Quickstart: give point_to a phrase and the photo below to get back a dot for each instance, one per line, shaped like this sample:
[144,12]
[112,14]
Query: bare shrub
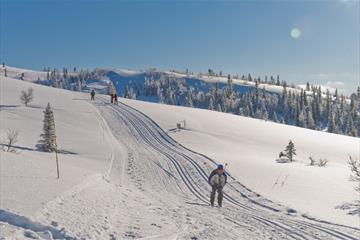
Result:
[354,166]
[27,97]
[322,162]
[312,161]
[11,139]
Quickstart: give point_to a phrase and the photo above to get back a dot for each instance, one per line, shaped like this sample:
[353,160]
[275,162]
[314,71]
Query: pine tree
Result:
[327,105]
[263,111]
[169,97]
[211,103]
[277,82]
[283,99]
[229,90]
[219,109]
[111,88]
[302,119]
[336,94]
[189,102]
[126,92]
[48,142]
[331,122]
[351,130]
[78,86]
[297,114]
[338,120]
[310,123]
[275,117]
[290,151]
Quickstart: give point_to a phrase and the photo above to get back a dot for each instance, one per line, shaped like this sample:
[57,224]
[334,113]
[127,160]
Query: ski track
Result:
[155,188]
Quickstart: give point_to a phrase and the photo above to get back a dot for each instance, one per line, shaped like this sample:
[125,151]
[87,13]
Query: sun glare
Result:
[295,33]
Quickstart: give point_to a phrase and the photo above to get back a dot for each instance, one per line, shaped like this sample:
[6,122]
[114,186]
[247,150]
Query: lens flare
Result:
[295,33]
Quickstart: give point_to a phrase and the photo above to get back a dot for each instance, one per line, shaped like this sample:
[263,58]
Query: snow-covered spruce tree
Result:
[350,128]
[48,141]
[290,150]
[218,108]
[126,93]
[78,86]
[211,103]
[111,88]
[189,101]
[310,123]
[229,88]
[169,97]
[27,97]
[331,122]
[302,119]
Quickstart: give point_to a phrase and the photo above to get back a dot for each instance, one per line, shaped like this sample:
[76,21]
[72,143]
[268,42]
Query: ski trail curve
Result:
[166,167]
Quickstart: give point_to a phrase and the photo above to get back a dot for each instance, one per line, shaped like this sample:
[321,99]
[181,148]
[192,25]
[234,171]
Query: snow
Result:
[224,79]
[123,177]
[28,177]
[251,146]
[29,75]
[127,72]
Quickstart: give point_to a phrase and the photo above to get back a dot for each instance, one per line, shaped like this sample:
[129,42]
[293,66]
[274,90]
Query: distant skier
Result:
[112,98]
[111,91]
[217,180]
[115,99]
[92,95]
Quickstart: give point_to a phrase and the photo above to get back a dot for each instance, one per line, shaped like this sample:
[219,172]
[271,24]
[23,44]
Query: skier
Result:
[217,180]
[115,99]
[112,98]
[111,91]
[92,95]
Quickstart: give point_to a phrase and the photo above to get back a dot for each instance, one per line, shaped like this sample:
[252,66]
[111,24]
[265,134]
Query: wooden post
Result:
[57,164]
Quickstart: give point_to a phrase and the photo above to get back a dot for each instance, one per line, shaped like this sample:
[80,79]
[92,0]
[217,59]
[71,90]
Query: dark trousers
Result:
[220,195]
[92,97]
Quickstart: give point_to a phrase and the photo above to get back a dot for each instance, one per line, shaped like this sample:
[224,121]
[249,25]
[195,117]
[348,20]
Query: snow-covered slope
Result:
[251,147]
[79,136]
[29,75]
[123,177]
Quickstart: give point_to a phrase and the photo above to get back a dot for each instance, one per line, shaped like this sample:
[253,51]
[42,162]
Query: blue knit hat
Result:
[220,166]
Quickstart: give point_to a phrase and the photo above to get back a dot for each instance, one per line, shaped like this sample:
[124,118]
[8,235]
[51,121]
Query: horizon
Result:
[316,42]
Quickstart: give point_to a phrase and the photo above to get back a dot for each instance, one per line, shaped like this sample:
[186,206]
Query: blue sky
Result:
[232,36]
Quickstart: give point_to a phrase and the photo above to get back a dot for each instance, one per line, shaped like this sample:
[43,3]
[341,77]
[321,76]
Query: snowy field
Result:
[122,176]
[251,148]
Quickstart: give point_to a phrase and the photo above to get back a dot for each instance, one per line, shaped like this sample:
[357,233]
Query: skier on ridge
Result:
[217,180]
[92,95]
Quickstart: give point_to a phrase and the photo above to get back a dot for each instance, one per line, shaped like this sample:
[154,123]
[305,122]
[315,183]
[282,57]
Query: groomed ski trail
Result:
[155,188]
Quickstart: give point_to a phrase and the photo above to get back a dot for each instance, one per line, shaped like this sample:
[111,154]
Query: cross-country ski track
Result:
[155,188]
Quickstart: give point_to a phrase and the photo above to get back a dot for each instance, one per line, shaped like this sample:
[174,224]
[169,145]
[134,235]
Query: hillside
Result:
[122,176]
[251,148]
[124,77]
